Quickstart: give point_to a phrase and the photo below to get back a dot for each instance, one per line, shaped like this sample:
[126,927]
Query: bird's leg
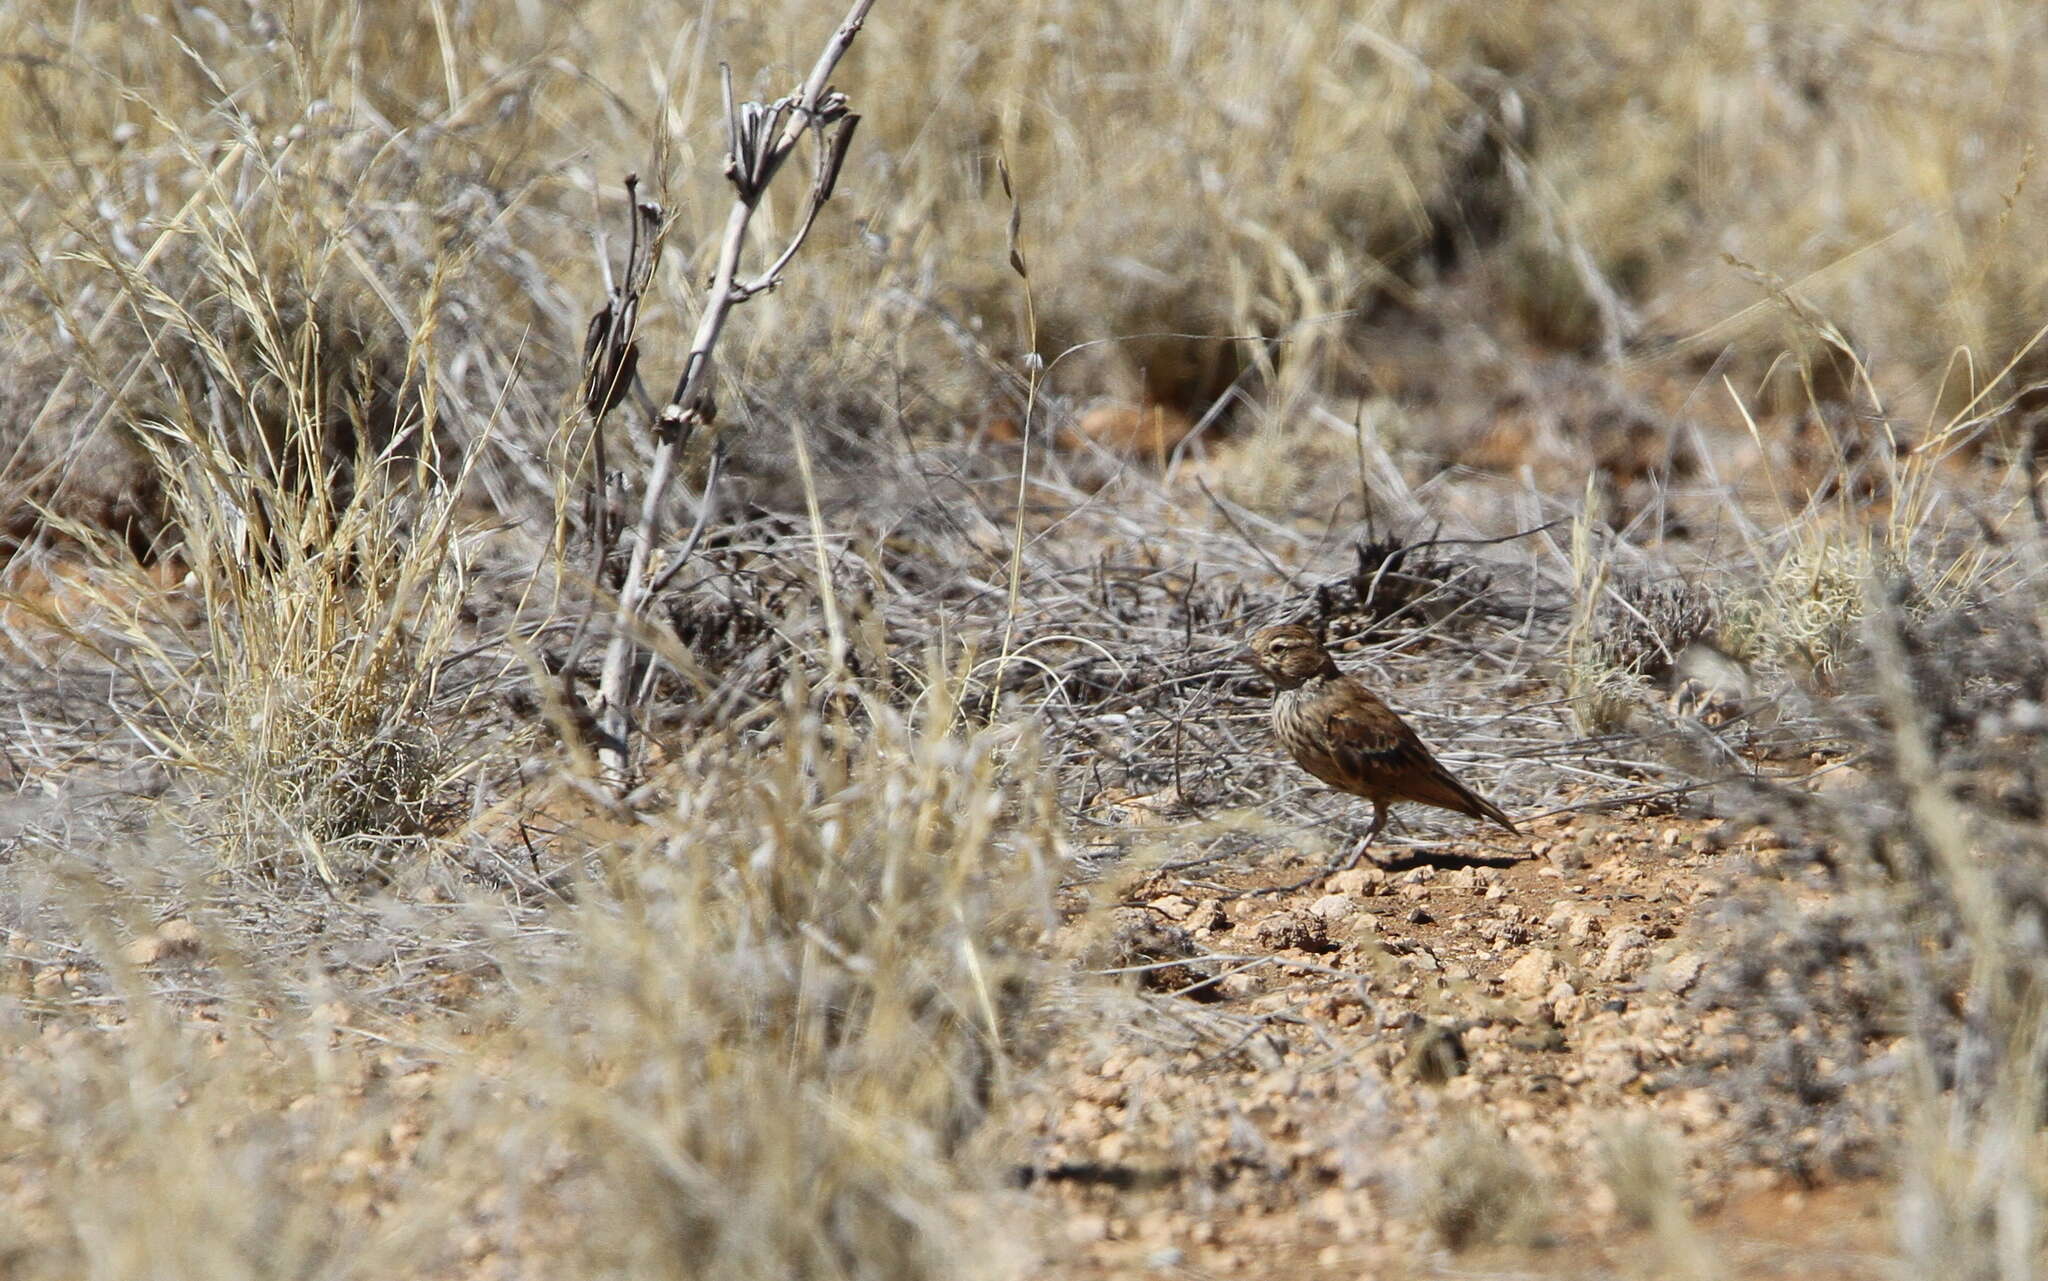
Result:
[1379,820]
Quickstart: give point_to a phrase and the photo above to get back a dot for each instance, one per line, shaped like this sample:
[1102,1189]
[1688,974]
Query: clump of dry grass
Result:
[1627,641]
[812,981]
[1803,607]
[284,361]
[1643,1168]
[1898,974]
[762,1042]
[1474,1188]
[317,547]
[1640,1167]
[1605,674]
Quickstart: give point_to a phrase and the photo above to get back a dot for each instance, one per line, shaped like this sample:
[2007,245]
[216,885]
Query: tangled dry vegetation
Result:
[1648,403]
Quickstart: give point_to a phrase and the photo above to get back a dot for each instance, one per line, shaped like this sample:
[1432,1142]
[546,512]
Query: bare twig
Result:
[760,138]
[611,357]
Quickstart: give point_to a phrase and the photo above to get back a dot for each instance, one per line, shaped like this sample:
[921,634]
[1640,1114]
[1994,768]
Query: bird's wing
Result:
[1370,742]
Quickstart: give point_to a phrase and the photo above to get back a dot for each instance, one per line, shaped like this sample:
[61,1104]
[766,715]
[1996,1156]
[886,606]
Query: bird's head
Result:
[1290,654]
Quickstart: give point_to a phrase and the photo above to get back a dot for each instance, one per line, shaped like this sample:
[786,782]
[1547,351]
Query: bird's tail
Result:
[1483,808]
[1454,795]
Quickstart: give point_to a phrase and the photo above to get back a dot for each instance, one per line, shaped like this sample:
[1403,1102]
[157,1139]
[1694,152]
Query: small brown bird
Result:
[1339,731]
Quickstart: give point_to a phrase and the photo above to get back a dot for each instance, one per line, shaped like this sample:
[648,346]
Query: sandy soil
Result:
[1339,1076]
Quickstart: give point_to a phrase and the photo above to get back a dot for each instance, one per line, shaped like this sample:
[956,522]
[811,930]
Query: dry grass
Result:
[1473,1188]
[299,578]
[760,1043]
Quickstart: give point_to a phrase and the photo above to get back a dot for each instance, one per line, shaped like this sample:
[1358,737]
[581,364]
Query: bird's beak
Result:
[1248,658]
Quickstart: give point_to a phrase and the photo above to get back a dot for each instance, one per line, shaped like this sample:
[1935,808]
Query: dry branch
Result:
[760,138]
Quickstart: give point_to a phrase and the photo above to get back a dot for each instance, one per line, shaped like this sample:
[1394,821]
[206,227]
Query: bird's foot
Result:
[1356,856]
